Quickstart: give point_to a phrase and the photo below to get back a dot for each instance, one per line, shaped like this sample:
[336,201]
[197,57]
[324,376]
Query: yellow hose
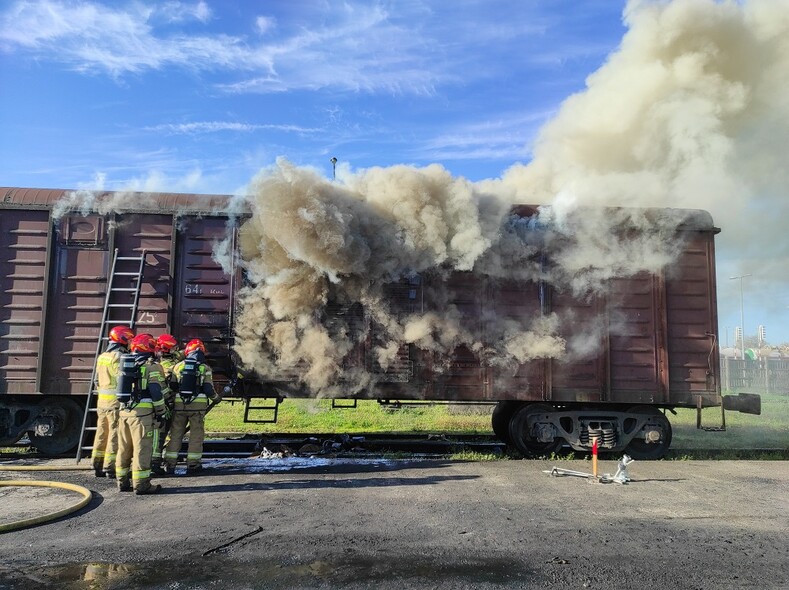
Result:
[45,467]
[20,524]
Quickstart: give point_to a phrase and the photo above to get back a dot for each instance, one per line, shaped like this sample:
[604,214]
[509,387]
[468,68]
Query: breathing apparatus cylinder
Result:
[190,384]
[128,380]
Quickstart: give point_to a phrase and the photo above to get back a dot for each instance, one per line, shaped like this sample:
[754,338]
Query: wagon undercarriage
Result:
[643,432]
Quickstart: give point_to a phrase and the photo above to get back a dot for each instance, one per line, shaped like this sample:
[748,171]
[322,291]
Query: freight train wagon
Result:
[69,274]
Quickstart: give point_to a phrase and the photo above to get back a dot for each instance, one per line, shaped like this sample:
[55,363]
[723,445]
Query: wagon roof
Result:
[18,197]
[185,203]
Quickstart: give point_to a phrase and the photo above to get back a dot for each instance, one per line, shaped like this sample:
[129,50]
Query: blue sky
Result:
[199,96]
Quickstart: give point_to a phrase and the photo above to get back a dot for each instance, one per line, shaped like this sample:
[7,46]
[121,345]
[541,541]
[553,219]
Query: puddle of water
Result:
[214,573]
[264,465]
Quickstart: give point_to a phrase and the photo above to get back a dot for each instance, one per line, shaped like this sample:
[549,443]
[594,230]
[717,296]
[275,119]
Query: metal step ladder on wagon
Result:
[120,309]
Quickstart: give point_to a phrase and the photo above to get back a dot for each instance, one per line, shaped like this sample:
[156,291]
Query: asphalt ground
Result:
[434,523]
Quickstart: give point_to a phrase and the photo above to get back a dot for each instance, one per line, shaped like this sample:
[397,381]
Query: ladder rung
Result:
[126,274]
[121,305]
[137,258]
[118,289]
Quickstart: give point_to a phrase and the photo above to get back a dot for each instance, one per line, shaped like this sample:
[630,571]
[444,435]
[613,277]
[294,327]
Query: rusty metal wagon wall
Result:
[55,271]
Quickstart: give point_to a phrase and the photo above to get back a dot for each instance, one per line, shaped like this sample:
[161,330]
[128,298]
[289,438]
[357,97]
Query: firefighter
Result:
[140,387]
[194,387]
[105,442]
[169,355]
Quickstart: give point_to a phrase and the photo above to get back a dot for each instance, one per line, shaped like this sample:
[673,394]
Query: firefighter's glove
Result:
[168,413]
[160,419]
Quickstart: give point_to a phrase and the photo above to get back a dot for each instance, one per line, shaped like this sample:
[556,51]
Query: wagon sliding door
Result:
[203,290]
[76,300]
[153,234]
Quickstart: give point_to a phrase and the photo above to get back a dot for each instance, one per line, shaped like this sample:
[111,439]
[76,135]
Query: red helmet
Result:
[143,343]
[122,335]
[194,345]
[166,343]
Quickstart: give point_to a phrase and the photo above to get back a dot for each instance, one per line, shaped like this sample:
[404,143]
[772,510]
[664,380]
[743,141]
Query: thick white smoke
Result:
[690,112]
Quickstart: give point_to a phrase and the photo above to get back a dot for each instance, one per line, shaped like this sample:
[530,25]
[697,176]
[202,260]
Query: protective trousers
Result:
[195,420]
[105,442]
[137,436]
[158,450]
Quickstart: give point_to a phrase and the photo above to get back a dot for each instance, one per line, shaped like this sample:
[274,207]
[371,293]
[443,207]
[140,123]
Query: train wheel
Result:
[68,420]
[641,449]
[522,437]
[501,417]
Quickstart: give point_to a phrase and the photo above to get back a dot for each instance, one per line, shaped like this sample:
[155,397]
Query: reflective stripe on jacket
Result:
[108,367]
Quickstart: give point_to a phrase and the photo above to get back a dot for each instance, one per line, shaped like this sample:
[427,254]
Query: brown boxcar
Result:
[55,271]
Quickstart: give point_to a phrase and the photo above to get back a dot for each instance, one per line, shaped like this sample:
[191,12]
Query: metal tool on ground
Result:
[621,476]
[558,471]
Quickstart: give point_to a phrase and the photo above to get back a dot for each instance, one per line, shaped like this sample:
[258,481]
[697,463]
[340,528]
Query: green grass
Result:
[743,431]
[317,416]
[770,430]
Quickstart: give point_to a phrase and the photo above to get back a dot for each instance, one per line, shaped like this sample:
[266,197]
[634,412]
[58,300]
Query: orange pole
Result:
[594,457]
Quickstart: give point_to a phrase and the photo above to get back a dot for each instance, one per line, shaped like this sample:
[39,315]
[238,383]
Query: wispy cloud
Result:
[361,46]
[217,126]
[176,12]
[508,137]
[91,37]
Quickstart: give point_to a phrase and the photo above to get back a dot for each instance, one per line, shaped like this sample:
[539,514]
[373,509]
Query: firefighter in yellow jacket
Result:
[140,387]
[193,382]
[168,355]
[105,442]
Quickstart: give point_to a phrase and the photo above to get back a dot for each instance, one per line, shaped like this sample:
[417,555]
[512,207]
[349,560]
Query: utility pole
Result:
[742,316]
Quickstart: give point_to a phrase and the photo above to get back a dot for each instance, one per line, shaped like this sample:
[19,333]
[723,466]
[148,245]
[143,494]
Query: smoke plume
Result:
[687,113]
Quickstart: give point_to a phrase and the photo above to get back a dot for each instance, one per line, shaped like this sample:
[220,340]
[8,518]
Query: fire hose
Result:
[45,467]
[27,522]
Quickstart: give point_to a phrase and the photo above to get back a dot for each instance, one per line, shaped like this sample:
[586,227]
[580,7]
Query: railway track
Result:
[234,445]
[305,444]
[225,445]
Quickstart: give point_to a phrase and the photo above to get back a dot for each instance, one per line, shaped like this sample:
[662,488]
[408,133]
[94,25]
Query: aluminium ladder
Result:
[134,276]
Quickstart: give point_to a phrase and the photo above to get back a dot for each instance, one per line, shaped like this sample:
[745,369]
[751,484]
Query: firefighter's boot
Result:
[146,488]
[124,484]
